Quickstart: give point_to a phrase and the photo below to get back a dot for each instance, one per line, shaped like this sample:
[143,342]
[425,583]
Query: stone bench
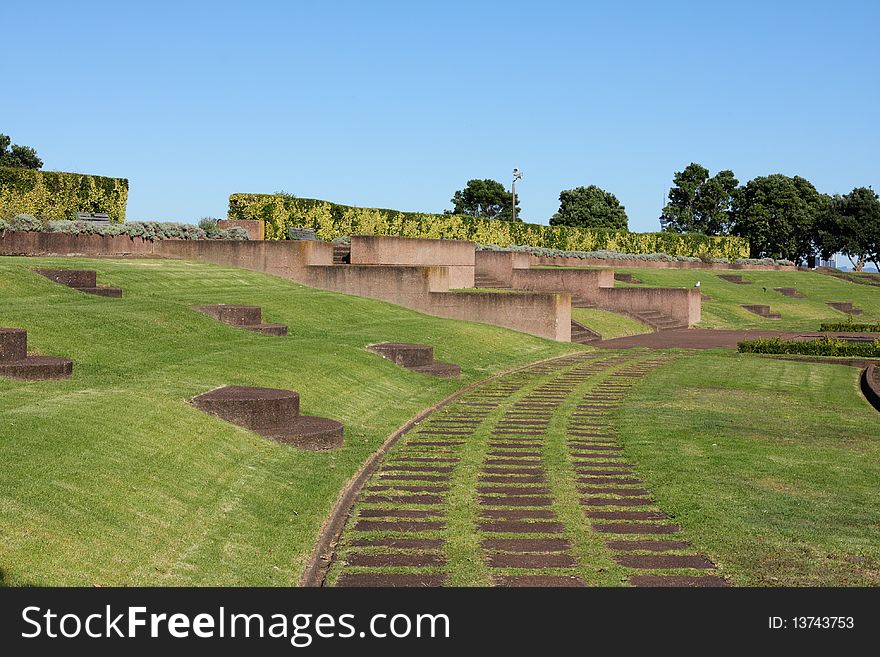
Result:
[16,363]
[273,413]
[84,280]
[249,318]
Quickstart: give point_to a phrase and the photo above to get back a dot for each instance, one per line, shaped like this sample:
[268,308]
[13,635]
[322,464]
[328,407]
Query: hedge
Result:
[840,327]
[825,346]
[332,220]
[57,195]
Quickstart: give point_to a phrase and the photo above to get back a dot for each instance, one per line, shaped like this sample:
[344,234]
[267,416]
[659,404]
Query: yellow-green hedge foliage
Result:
[330,220]
[56,195]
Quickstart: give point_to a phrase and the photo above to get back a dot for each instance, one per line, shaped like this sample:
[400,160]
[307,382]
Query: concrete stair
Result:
[249,318]
[341,254]
[486,281]
[416,357]
[657,320]
[272,413]
[845,307]
[761,310]
[582,303]
[582,335]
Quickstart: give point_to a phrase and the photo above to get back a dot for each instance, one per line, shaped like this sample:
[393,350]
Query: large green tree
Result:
[13,155]
[589,207]
[778,215]
[851,225]
[699,203]
[486,199]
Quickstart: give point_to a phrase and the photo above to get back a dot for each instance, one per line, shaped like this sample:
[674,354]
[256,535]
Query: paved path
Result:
[520,482]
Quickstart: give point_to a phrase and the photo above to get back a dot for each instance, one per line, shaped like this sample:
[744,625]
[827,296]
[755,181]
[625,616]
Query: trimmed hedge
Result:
[825,346]
[840,327]
[148,230]
[57,195]
[331,220]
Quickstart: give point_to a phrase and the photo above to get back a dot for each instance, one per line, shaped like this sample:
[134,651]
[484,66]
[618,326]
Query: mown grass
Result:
[723,310]
[609,324]
[112,478]
[770,466]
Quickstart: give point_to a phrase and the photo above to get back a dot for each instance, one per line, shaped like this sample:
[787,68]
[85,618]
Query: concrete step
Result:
[580,334]
[582,303]
[761,310]
[658,320]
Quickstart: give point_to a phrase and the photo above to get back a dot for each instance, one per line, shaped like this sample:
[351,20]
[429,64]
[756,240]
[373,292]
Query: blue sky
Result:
[398,104]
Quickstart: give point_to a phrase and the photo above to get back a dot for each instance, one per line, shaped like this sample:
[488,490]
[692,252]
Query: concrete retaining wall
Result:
[582,283]
[545,261]
[683,304]
[254,228]
[457,255]
[499,264]
[424,289]
[545,315]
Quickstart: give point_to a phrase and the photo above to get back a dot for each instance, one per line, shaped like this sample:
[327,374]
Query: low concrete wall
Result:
[457,255]
[546,261]
[579,283]
[544,315]
[683,304]
[499,264]
[254,228]
[308,262]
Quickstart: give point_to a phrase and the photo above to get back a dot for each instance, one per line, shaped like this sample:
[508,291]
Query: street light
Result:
[517,175]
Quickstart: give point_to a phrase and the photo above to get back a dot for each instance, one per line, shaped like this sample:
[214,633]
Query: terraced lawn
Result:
[723,308]
[112,478]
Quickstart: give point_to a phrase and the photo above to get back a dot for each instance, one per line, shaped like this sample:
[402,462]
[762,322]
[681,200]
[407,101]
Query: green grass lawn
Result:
[609,324]
[112,478]
[770,466]
[724,311]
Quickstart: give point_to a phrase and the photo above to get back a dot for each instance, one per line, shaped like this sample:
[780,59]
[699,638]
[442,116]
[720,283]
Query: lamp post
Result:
[517,175]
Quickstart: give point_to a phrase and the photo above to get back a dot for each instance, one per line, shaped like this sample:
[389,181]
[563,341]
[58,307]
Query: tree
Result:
[486,199]
[589,207]
[851,225]
[698,203]
[778,216]
[24,157]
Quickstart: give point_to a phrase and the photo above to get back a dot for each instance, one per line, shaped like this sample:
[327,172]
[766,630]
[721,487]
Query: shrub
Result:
[210,226]
[838,327]
[148,230]
[56,195]
[824,346]
[331,220]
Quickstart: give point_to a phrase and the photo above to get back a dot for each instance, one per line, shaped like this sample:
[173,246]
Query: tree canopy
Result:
[778,215]
[699,203]
[589,207]
[487,199]
[13,155]
[851,225]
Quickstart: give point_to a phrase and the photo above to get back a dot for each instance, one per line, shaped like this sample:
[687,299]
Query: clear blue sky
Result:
[398,104]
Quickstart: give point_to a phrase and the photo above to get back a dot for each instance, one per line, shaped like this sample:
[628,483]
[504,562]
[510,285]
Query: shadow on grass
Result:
[6,583]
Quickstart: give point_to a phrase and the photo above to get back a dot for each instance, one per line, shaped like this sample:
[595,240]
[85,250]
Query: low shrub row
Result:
[332,220]
[616,255]
[841,327]
[825,346]
[148,230]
